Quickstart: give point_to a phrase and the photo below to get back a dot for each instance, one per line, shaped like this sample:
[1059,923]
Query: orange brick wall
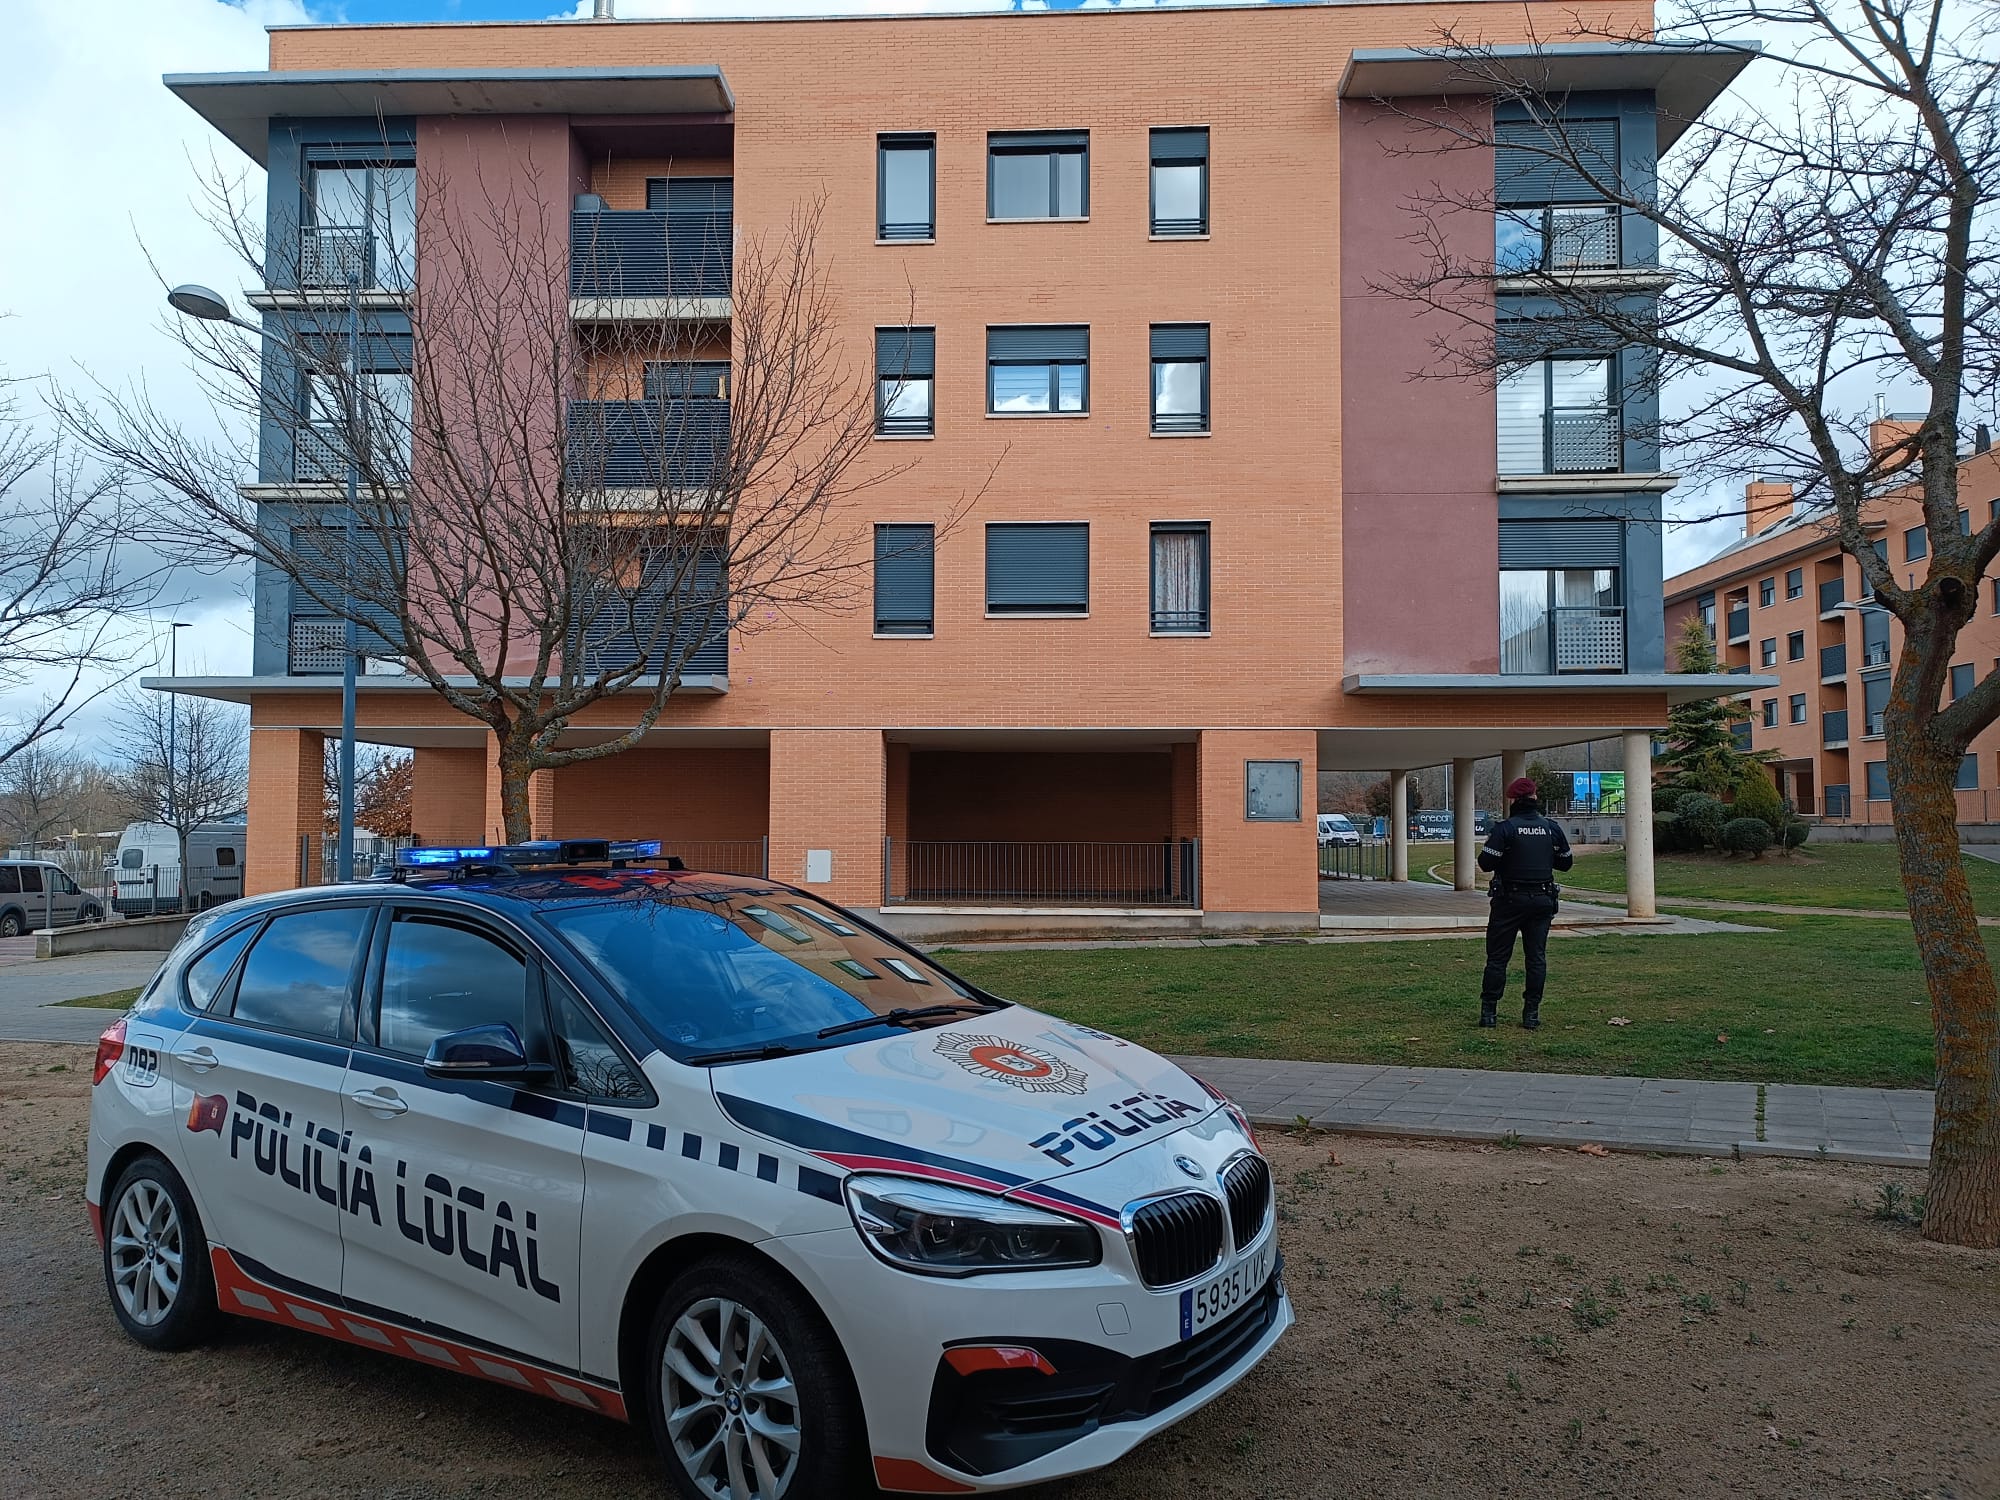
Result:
[1259,867]
[664,794]
[828,792]
[1109,796]
[448,795]
[287,803]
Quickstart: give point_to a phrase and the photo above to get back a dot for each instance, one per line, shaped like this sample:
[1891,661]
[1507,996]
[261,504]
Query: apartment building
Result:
[1786,602]
[1233,540]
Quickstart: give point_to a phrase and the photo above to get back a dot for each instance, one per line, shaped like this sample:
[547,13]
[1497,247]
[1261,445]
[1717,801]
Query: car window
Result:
[594,1064]
[63,883]
[716,969]
[442,975]
[224,856]
[31,879]
[299,975]
[10,880]
[206,975]
[132,859]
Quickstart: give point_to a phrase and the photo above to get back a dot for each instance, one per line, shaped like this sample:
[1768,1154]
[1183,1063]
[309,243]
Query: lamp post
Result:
[200,302]
[173,711]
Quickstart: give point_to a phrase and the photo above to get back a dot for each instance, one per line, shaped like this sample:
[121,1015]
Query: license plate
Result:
[1217,1298]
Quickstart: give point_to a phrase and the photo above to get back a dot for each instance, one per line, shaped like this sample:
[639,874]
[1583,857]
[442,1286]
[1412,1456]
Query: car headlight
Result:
[948,1231]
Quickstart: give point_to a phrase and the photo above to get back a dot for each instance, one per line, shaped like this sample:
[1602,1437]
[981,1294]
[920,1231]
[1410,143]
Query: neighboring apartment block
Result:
[1232,540]
[1786,601]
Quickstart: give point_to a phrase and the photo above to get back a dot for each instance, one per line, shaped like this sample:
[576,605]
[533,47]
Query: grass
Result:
[1858,876]
[1816,1000]
[109,1000]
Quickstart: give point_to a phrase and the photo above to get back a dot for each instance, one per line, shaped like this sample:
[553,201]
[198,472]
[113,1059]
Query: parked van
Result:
[1337,828]
[36,893]
[148,868]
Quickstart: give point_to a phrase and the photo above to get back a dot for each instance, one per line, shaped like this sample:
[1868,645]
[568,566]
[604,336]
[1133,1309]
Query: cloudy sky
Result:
[107,161]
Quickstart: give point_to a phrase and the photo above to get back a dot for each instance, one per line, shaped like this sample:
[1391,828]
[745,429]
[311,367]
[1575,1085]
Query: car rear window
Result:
[720,970]
[300,975]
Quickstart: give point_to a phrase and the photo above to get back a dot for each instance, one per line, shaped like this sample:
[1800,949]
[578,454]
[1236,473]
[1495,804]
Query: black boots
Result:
[1531,1016]
[1487,1016]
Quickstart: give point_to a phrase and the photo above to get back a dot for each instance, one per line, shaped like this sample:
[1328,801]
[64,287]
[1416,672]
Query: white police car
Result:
[695,1150]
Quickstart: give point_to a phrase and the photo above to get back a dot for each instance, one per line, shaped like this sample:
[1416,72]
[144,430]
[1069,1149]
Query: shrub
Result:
[1797,832]
[1668,799]
[1668,835]
[1701,818]
[1758,797]
[1751,836]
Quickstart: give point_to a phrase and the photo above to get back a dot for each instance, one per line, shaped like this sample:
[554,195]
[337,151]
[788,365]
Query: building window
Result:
[1961,680]
[1994,585]
[1874,704]
[685,380]
[1965,523]
[1916,542]
[1038,174]
[1705,607]
[1271,791]
[1795,646]
[1561,620]
[1770,713]
[1798,708]
[905,376]
[1768,651]
[1878,780]
[1556,416]
[1554,217]
[1180,182]
[905,584]
[1767,593]
[1037,568]
[382,397]
[1795,583]
[360,225]
[1180,377]
[1968,774]
[1180,577]
[1875,637]
[906,187]
[1035,370]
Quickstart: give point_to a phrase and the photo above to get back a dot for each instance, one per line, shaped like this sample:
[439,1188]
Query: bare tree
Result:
[1836,241]
[187,762]
[555,512]
[43,792]
[64,594]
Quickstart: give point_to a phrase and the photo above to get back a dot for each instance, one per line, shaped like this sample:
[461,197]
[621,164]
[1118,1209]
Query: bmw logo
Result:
[1188,1165]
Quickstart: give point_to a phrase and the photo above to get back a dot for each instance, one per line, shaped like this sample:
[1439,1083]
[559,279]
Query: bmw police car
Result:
[699,1151]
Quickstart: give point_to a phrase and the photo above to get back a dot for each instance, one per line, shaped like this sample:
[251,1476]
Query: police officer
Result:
[1523,853]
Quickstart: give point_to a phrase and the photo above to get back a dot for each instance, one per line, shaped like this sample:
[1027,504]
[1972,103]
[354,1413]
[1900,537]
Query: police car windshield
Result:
[724,970]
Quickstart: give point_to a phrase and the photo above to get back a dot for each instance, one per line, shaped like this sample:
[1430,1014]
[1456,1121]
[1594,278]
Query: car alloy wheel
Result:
[11,925]
[146,1252]
[732,1406]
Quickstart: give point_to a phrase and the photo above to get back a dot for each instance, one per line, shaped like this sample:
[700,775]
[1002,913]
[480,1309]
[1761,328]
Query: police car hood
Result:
[998,1100]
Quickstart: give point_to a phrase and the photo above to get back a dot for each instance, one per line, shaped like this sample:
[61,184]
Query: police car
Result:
[693,1150]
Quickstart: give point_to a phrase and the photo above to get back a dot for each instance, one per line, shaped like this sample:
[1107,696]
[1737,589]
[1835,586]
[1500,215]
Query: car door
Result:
[66,897]
[483,1179]
[262,1065]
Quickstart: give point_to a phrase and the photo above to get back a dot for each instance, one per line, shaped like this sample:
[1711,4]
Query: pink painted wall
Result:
[1420,518]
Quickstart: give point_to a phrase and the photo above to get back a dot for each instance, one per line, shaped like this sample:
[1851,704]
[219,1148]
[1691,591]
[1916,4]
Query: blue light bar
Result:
[420,859]
[537,852]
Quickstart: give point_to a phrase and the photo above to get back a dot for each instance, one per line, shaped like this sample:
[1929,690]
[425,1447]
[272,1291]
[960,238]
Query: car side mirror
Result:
[484,1052]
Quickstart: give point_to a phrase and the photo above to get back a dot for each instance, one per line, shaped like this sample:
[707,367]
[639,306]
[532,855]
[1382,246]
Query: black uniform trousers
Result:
[1527,912]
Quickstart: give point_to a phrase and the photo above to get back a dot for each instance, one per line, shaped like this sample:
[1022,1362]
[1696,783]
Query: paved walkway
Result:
[1418,905]
[1883,1127]
[28,990]
[1767,906]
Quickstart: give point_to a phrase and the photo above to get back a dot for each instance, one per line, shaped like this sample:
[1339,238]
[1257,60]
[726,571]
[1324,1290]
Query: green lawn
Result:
[1862,876]
[1820,1000]
[111,1000]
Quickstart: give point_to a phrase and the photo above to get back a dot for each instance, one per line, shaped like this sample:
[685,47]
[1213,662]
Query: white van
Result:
[1337,828]
[148,868]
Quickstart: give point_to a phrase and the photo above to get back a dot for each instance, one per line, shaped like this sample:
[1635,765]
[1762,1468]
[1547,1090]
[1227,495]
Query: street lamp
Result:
[173,713]
[200,302]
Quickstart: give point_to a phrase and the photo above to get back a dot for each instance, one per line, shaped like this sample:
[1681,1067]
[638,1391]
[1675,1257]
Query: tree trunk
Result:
[516,766]
[1962,1201]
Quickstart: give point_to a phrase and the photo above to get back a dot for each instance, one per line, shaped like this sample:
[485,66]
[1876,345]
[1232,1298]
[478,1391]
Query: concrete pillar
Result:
[1262,873]
[1513,766]
[287,804]
[1639,890]
[1464,842]
[1399,825]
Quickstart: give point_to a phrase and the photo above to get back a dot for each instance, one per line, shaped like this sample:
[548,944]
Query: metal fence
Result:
[159,890]
[1367,860]
[1166,872]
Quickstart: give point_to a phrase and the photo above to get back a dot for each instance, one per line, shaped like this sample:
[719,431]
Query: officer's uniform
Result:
[1523,852]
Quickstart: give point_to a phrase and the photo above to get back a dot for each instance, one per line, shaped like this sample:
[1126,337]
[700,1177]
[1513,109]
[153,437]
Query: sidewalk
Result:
[1767,906]
[1878,1127]
[27,991]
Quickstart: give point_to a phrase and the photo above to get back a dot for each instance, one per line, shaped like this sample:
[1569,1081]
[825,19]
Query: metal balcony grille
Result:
[994,872]
[1180,621]
[1739,624]
[1247,1184]
[332,255]
[1832,594]
[1833,728]
[1590,639]
[1837,801]
[1833,661]
[1872,726]
[1583,239]
[1175,1239]
[319,455]
[646,252]
[1875,654]
[318,647]
[1583,439]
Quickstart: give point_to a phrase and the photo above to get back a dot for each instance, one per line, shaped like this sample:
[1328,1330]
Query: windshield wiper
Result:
[746,1054]
[902,1017]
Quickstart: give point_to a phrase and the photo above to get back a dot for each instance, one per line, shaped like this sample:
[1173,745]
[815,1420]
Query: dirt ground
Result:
[1472,1322]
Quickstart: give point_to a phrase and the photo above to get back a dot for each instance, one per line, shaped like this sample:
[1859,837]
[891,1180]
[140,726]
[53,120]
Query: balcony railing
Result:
[1872,725]
[1740,733]
[319,456]
[1832,594]
[333,255]
[1874,654]
[1739,623]
[672,444]
[991,872]
[1180,621]
[1590,639]
[1832,662]
[318,647]
[1836,801]
[1584,440]
[1570,238]
[648,252]
[1833,728]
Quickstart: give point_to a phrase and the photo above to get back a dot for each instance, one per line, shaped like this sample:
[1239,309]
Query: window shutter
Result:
[376,153]
[1052,342]
[1037,140]
[1522,174]
[1179,147]
[377,563]
[1180,341]
[905,572]
[1562,544]
[689,625]
[691,196]
[1038,567]
[905,353]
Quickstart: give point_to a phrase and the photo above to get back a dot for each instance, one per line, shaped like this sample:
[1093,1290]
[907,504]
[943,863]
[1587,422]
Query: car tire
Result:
[149,1220]
[699,1429]
[12,924]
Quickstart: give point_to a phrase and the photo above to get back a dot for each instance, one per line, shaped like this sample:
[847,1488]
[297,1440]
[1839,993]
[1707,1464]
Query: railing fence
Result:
[1166,872]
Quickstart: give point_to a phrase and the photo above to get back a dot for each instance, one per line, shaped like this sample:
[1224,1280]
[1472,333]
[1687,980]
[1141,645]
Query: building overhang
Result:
[1683,79]
[1585,484]
[1679,687]
[246,689]
[242,105]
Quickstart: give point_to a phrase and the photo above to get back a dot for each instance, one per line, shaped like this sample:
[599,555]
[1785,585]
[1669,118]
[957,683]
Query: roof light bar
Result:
[539,852]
